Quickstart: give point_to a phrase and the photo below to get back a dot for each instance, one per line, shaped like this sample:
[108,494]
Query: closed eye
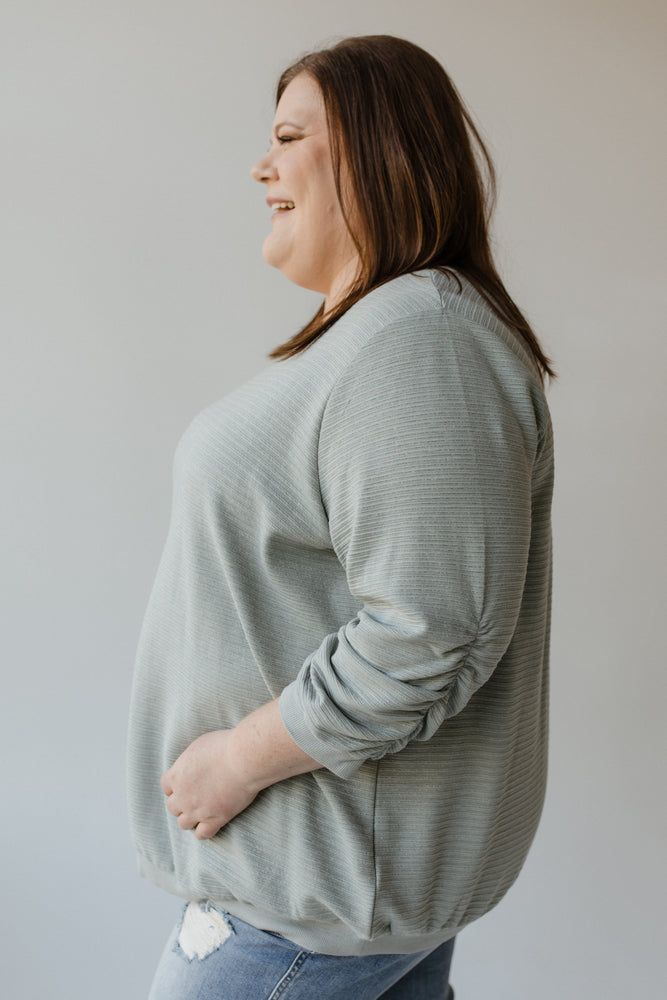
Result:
[281,140]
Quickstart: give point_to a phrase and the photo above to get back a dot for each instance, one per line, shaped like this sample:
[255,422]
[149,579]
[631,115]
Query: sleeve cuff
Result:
[295,715]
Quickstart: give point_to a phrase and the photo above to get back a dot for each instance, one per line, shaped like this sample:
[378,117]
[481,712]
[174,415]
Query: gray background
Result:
[134,294]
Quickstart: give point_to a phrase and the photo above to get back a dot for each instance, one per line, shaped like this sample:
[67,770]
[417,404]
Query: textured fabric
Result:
[364,531]
[235,961]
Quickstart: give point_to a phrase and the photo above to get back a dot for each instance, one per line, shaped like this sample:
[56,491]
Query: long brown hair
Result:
[419,179]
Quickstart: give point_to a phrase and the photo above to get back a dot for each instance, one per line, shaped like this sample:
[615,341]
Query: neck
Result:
[341,284]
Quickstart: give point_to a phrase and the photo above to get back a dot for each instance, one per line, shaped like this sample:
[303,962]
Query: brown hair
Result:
[421,180]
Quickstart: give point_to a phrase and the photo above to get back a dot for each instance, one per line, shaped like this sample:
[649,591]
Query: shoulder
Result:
[417,314]
[428,343]
[401,303]
[427,318]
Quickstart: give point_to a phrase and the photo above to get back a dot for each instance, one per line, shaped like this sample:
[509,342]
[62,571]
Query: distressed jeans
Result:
[212,955]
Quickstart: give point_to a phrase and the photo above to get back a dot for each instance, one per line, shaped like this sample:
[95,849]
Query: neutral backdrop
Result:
[134,293]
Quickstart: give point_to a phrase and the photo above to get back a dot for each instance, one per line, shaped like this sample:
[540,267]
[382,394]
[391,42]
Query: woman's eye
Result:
[285,138]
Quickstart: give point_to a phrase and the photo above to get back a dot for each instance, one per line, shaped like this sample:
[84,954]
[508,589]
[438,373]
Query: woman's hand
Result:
[222,772]
[204,788]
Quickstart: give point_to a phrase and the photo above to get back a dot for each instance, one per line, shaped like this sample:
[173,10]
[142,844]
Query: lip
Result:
[277,213]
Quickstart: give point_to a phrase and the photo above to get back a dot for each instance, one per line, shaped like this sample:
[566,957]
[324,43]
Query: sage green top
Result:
[364,531]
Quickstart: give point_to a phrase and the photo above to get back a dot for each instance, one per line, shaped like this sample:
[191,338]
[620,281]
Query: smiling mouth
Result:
[282,206]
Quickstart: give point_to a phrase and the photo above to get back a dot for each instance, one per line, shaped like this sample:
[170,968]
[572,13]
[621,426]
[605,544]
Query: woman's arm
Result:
[221,772]
[428,470]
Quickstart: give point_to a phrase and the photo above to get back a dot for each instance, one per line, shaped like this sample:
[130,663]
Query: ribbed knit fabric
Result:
[364,531]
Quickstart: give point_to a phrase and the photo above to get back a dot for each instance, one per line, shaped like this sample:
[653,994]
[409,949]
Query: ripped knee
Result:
[203,930]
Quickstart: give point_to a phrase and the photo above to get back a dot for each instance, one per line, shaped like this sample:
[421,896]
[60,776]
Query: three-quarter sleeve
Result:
[426,454]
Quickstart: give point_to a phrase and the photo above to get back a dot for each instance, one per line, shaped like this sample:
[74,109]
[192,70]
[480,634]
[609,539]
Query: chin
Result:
[270,253]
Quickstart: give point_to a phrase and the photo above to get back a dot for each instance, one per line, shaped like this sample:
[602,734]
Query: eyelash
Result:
[285,138]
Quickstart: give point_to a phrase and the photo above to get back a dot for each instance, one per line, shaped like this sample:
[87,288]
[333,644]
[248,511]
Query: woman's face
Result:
[309,241]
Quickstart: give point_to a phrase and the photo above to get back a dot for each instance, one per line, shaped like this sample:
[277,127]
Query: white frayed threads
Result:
[202,931]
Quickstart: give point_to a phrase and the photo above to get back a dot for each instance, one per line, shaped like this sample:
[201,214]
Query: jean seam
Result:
[289,976]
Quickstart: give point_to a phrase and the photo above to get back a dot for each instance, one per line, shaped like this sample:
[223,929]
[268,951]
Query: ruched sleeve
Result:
[427,448]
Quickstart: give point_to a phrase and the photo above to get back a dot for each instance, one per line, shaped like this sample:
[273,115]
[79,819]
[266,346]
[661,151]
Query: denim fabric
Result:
[212,955]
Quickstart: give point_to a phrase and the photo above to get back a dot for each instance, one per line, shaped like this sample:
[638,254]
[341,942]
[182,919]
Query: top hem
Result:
[325,939]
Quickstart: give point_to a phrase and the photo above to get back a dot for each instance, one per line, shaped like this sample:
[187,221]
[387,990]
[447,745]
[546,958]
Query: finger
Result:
[172,805]
[165,783]
[185,822]
[208,828]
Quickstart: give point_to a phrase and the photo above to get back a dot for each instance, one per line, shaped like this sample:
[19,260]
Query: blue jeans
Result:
[212,955]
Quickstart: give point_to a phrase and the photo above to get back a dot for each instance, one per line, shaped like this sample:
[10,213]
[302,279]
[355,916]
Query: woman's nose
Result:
[264,169]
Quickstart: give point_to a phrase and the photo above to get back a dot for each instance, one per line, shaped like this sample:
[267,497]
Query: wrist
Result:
[242,762]
[263,751]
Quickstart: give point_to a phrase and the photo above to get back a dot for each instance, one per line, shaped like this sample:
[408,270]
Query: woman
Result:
[342,675]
